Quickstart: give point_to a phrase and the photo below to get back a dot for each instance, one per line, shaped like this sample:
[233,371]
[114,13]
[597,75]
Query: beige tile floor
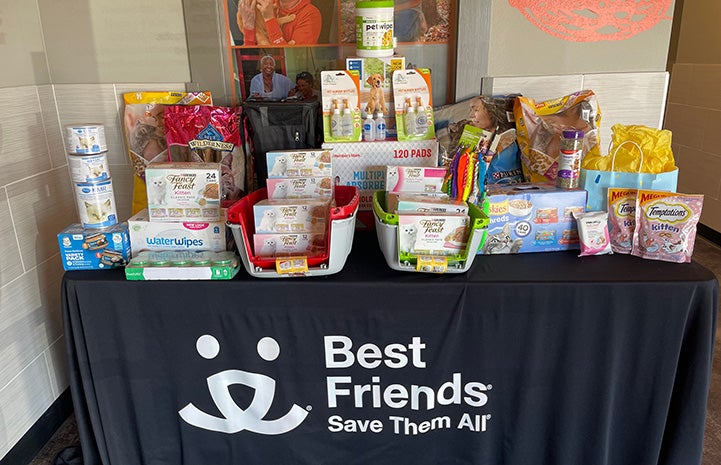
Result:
[705,252]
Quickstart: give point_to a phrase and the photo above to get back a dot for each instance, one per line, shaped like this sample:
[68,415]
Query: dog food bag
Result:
[593,233]
[666,225]
[621,218]
[145,131]
[208,134]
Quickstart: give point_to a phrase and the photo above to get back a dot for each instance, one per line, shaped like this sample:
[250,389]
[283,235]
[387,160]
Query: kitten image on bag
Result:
[407,238]
[279,167]
[281,191]
[156,191]
[501,242]
[267,223]
[98,212]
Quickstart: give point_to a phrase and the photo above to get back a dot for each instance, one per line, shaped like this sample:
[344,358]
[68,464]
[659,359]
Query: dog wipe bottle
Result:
[380,124]
[374,28]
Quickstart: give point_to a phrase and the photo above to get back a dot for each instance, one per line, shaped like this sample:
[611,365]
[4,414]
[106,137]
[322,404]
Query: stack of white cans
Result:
[90,173]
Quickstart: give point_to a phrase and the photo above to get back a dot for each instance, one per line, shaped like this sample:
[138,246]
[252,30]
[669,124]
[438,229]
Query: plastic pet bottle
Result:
[421,118]
[369,129]
[335,121]
[380,123]
[409,119]
[347,122]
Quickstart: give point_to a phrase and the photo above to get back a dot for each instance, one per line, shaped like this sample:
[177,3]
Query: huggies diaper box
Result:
[82,249]
[531,217]
[155,236]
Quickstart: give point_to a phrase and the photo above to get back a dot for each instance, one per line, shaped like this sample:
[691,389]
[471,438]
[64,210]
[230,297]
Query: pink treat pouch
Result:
[593,233]
[666,225]
[621,218]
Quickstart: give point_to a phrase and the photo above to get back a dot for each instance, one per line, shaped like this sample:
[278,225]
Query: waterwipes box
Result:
[84,249]
[363,165]
[531,217]
[153,235]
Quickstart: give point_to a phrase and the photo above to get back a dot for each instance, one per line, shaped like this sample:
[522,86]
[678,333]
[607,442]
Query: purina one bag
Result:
[649,148]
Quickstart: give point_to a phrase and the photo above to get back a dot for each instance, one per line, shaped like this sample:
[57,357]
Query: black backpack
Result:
[72,455]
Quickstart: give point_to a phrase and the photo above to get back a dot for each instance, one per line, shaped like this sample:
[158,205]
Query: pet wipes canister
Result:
[85,138]
[96,204]
[374,28]
[88,168]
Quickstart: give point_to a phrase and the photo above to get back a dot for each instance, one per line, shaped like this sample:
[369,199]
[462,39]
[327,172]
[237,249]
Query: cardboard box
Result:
[363,164]
[298,163]
[183,191]
[155,236]
[531,217]
[368,67]
[93,249]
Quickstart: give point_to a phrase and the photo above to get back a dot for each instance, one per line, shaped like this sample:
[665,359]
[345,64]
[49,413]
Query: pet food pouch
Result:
[539,126]
[666,225]
[593,233]
[621,218]
[145,132]
[208,134]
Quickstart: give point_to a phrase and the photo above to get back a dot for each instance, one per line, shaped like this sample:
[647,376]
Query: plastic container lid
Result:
[375,4]
[572,134]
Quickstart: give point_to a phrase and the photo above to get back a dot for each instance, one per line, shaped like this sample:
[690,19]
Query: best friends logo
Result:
[343,393]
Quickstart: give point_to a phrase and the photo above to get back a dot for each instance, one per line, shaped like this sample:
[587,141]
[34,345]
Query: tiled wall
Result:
[36,202]
[694,116]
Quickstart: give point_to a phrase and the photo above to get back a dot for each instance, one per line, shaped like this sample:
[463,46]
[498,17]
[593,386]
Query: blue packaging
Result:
[86,249]
[531,217]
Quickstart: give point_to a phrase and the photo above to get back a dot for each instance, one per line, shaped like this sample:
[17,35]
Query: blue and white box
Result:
[84,249]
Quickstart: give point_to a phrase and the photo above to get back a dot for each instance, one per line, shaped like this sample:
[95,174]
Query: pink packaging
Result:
[413,179]
[666,225]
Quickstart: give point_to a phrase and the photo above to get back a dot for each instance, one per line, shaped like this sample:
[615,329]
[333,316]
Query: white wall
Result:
[63,62]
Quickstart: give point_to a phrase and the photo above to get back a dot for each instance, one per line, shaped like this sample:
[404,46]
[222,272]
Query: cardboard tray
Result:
[339,237]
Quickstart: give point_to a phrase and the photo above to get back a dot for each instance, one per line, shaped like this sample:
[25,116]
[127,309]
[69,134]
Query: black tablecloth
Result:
[525,359]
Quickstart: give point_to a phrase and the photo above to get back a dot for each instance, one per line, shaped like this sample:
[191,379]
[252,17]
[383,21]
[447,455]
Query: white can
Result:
[96,204]
[374,28]
[89,168]
[85,138]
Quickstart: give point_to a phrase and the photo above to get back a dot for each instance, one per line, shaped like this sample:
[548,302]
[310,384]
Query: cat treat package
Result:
[539,126]
[209,134]
[145,131]
[621,218]
[666,225]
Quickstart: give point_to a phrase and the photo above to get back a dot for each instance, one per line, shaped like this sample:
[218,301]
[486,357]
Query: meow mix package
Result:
[209,134]
[145,131]
[666,225]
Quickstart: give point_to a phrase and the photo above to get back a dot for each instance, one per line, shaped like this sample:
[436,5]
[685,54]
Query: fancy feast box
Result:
[531,217]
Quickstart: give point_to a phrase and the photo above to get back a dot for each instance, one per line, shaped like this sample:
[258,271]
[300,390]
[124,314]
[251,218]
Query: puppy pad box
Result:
[363,165]
[82,249]
[183,191]
[531,217]
[182,235]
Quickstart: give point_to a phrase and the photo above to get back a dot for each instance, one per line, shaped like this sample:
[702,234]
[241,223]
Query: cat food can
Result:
[85,138]
[89,168]
[96,204]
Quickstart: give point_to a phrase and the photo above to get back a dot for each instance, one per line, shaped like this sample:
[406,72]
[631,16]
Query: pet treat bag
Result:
[666,225]
[539,126]
[621,218]
[145,131]
[208,134]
